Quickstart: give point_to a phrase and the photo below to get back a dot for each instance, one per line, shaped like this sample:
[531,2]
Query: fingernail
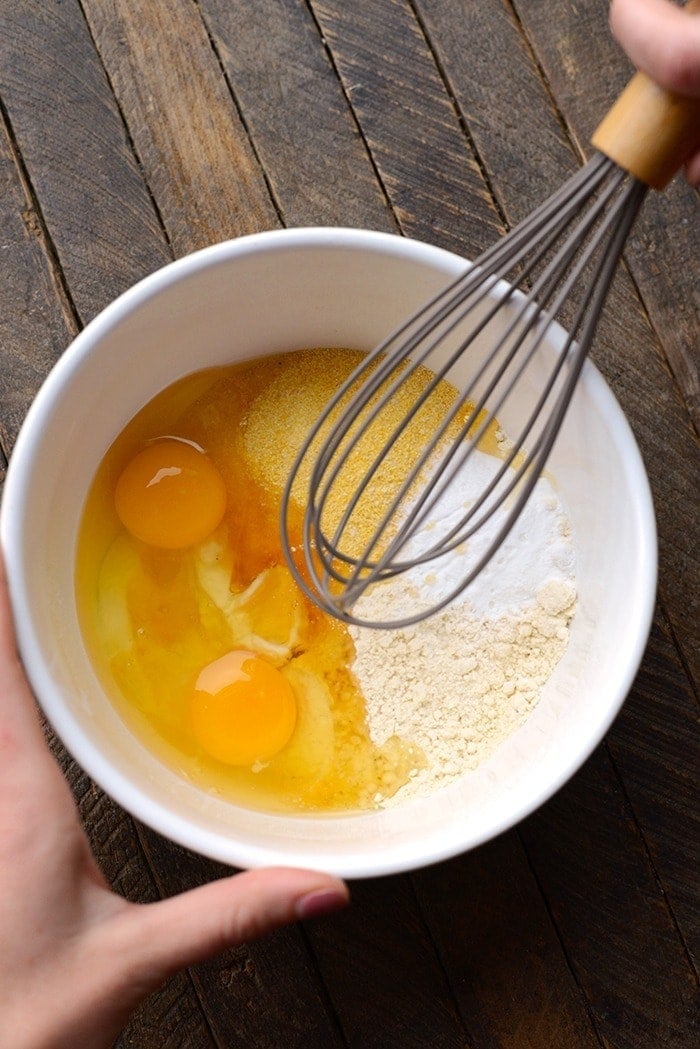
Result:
[320,901]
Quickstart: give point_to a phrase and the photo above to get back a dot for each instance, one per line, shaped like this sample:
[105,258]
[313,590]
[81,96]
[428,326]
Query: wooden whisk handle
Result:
[649,131]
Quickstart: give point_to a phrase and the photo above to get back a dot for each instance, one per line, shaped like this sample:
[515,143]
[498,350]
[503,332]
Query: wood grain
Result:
[655,744]
[421,153]
[34,326]
[586,68]
[95,204]
[501,952]
[626,953]
[518,134]
[37,321]
[182,120]
[303,129]
[382,973]
[134,130]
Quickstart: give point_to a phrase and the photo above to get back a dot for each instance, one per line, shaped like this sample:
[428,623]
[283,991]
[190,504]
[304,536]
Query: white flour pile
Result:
[456,684]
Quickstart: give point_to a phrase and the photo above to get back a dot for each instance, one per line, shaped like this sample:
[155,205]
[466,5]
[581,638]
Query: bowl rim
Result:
[166,821]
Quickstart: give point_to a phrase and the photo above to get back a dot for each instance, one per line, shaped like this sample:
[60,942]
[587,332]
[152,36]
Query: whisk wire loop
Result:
[435,487]
[483,284]
[565,254]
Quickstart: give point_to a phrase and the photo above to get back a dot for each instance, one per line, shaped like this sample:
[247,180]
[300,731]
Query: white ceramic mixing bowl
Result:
[262,294]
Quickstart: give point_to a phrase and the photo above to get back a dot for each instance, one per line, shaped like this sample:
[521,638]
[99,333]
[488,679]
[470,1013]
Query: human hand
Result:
[663,40]
[75,958]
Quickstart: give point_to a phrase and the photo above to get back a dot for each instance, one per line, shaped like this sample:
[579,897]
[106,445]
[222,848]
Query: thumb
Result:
[155,940]
[661,38]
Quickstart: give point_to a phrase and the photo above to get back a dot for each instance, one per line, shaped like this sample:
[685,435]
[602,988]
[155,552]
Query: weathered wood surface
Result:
[133,131]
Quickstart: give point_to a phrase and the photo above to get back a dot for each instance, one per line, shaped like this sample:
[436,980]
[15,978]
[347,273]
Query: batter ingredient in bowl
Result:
[170,495]
[469,675]
[225,670]
[472,673]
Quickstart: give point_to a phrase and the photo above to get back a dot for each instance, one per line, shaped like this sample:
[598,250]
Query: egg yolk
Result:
[243,710]
[170,495]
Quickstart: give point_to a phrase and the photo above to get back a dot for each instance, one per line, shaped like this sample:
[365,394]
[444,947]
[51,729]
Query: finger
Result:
[155,940]
[692,170]
[662,39]
[19,721]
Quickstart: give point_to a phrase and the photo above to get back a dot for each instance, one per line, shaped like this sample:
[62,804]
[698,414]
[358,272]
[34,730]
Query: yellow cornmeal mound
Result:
[282,415]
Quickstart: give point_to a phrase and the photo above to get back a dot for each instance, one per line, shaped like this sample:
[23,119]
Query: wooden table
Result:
[134,131]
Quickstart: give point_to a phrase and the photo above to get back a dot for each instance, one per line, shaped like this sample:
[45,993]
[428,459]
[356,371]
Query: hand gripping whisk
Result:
[369,523]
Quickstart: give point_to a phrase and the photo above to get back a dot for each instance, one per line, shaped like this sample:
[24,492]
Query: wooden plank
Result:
[387,912]
[187,133]
[468,43]
[264,994]
[296,113]
[501,953]
[627,353]
[36,322]
[521,143]
[586,69]
[419,148]
[34,328]
[94,202]
[382,973]
[655,744]
[626,954]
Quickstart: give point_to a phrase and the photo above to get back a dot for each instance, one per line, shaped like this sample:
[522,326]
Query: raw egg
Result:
[212,655]
[243,710]
[170,495]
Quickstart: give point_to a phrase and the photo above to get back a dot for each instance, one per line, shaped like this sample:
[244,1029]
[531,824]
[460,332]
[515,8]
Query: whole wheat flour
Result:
[459,682]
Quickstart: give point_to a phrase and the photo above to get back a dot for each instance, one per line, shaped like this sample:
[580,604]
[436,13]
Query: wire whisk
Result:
[383,477]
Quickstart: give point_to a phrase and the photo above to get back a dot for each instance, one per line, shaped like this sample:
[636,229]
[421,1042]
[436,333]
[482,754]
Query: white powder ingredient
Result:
[459,682]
